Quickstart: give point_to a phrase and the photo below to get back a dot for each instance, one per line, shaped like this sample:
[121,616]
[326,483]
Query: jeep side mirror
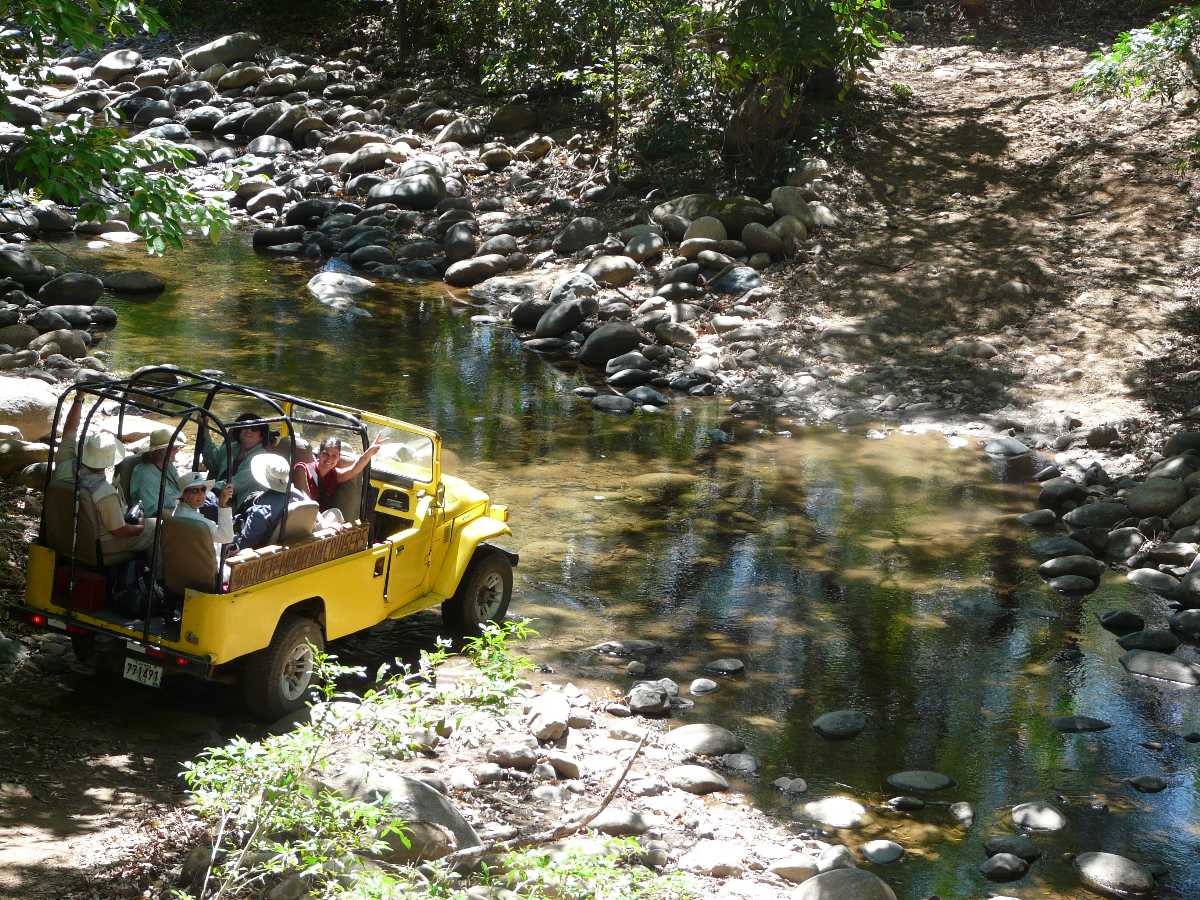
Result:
[439,498]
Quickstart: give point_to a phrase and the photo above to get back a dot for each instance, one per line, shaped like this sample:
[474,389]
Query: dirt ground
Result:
[985,201]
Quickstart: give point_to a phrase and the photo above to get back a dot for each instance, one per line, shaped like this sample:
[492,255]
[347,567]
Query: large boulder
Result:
[477,269]
[27,404]
[23,267]
[77,288]
[428,813]
[224,50]
[1113,875]
[579,233]
[419,192]
[113,66]
[71,342]
[133,281]
[15,455]
[704,739]
[264,117]
[612,270]
[461,131]
[844,884]
[1156,497]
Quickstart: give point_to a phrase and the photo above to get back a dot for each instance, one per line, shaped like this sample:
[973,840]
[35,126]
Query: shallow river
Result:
[844,571]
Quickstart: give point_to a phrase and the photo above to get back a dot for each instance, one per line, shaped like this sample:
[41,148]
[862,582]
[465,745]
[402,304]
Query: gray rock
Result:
[1156,497]
[609,341]
[1148,784]
[225,50]
[512,756]
[1109,873]
[620,823]
[23,267]
[1072,584]
[613,403]
[1004,867]
[1051,547]
[474,270]
[725,666]
[1157,639]
[1073,724]
[548,716]
[648,699]
[920,780]
[1123,543]
[796,868]
[696,780]
[1038,817]
[1005,447]
[419,192]
[1087,566]
[1186,624]
[113,65]
[1057,491]
[836,812]
[1018,845]
[882,852]
[1187,514]
[962,813]
[614,271]
[1038,518]
[579,233]
[1104,514]
[560,319]
[133,281]
[702,686]
[906,804]
[460,131]
[744,763]
[1160,665]
[1121,621]
[705,740]
[737,280]
[1102,436]
[840,725]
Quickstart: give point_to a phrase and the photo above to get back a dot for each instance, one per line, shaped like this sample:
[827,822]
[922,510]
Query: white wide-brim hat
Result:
[194,480]
[271,471]
[101,450]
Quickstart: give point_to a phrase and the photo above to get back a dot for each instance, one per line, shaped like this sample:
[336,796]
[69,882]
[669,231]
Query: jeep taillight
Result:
[35,619]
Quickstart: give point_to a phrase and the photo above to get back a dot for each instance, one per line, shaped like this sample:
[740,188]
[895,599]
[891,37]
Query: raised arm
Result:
[350,472]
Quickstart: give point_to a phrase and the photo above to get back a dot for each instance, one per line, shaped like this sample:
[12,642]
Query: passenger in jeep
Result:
[321,477]
[194,490]
[155,470]
[251,442]
[100,451]
[270,471]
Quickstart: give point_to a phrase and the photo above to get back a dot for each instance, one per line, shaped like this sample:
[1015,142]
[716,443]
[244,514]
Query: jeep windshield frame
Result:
[164,391]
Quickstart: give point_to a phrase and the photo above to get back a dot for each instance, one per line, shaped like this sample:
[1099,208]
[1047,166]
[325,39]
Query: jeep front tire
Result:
[483,594]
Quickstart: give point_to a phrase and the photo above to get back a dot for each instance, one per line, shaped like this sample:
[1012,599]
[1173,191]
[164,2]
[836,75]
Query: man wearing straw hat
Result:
[155,469]
[194,489]
[97,453]
[272,473]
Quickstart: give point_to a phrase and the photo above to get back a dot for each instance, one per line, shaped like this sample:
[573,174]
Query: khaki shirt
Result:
[110,511]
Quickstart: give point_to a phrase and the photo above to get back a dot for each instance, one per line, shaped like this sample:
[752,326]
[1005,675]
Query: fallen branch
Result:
[565,829]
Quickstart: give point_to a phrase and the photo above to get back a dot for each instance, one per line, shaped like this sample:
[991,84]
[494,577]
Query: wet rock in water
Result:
[628,648]
[963,813]
[906,804]
[1157,639]
[609,341]
[920,780]
[696,779]
[1076,724]
[705,739]
[1072,584]
[613,403]
[77,288]
[836,812]
[1004,867]
[474,270]
[702,686]
[1121,621]
[560,318]
[1186,624]
[1058,491]
[1038,518]
[1087,566]
[1018,845]
[882,852]
[1005,447]
[1051,547]
[743,763]
[1122,543]
[1156,497]
[1104,514]
[844,884]
[1038,817]
[1155,581]
[133,281]
[1148,784]
[648,699]
[1152,664]
[791,785]
[725,666]
[840,725]
[1109,873]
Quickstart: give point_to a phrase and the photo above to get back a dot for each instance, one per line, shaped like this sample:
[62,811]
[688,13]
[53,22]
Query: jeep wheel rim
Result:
[297,672]
[490,597]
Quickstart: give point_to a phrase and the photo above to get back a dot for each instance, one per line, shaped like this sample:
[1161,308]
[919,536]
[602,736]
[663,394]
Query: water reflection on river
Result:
[845,572]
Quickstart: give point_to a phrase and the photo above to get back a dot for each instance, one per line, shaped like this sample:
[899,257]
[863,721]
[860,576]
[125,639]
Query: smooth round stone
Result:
[1038,518]
[906,804]
[1072,584]
[1038,817]
[836,812]
[744,763]
[1018,845]
[1073,724]
[1161,665]
[1078,564]
[882,852]
[725,666]
[1121,621]
[707,740]
[702,686]
[920,780]
[1148,784]
[1004,867]
[840,725]
[844,884]
[790,785]
[1048,548]
[1005,447]
[1112,874]
[696,779]
[1157,639]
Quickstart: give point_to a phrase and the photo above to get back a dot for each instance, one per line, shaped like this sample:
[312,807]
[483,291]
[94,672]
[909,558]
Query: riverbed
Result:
[844,570]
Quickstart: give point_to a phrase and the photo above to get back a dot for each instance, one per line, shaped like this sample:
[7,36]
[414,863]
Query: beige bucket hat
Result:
[101,450]
[271,471]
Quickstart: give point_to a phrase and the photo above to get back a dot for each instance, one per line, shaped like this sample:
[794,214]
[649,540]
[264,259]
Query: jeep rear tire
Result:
[275,681]
[483,594]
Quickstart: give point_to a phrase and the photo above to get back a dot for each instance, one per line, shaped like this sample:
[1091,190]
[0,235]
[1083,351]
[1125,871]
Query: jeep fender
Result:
[463,545]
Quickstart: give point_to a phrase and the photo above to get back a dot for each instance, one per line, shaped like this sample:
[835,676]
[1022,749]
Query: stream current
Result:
[886,576]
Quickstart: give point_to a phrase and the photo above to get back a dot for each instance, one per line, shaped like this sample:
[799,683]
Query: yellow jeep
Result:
[405,537]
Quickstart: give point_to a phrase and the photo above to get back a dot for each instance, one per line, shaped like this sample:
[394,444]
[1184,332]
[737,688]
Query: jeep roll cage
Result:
[187,397]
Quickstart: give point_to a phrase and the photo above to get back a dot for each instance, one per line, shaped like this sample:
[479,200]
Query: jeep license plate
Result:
[143,673]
